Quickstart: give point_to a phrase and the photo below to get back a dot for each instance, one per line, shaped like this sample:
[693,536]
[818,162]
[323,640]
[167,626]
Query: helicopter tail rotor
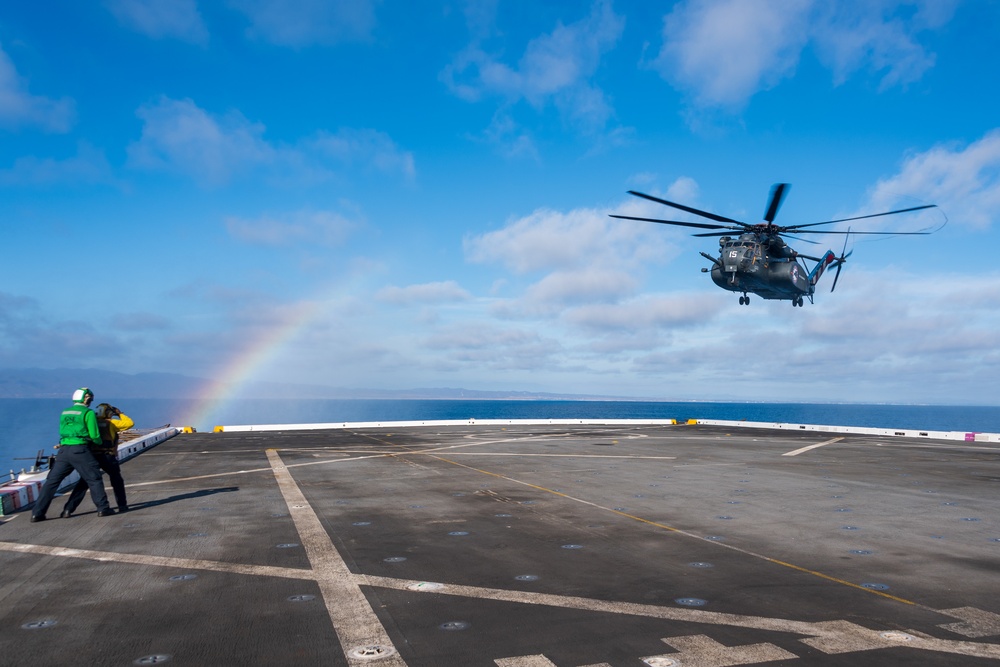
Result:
[839,262]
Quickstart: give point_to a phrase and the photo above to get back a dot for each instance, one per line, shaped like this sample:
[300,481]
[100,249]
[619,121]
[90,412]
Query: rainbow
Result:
[220,391]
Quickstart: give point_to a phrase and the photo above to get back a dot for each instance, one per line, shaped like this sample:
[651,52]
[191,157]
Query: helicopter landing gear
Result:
[744,300]
[797,302]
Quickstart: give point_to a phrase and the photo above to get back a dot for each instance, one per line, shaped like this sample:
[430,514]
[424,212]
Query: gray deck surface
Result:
[525,546]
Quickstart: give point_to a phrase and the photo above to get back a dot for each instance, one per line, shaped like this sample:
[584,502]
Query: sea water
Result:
[31,425]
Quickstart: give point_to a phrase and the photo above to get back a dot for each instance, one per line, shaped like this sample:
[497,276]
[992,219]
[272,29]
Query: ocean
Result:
[32,424]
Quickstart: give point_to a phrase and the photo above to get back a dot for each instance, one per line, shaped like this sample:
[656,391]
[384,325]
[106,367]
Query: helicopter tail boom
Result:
[827,260]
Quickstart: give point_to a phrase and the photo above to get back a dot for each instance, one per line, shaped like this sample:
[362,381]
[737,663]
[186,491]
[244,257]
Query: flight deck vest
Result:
[109,440]
[73,427]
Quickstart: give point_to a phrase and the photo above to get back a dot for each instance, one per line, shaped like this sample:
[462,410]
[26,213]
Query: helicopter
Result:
[757,260]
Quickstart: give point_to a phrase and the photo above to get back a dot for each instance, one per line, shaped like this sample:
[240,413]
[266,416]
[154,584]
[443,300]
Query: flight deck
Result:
[527,545]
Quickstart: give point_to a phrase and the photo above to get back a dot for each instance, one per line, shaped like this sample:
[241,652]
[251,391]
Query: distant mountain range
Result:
[60,383]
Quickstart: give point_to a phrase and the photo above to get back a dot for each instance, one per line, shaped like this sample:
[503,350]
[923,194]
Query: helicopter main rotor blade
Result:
[719,233]
[699,225]
[820,231]
[796,238]
[862,217]
[777,195]
[688,209]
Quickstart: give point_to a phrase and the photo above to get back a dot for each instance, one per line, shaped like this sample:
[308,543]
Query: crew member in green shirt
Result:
[77,430]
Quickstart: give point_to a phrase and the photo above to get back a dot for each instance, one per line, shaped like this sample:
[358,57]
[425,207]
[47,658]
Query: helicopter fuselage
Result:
[765,266]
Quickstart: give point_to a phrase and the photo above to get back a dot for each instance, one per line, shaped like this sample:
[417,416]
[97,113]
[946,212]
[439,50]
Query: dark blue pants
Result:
[68,459]
[109,464]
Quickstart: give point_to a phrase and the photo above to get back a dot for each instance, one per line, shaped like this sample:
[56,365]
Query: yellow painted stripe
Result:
[655,524]
[682,532]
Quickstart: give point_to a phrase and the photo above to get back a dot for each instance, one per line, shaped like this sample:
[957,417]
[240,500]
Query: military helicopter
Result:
[758,261]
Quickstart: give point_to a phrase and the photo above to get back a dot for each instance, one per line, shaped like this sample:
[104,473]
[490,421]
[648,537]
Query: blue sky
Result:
[397,195]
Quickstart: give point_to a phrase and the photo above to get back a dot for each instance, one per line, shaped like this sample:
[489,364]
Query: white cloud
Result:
[141,321]
[178,19]
[910,337]
[177,135]
[647,312]
[723,52]
[306,22]
[325,228]
[963,181]
[548,240]
[868,35]
[447,291]
[88,167]
[181,137]
[19,108]
[588,291]
[583,286]
[512,140]
[363,147]
[909,331]
[555,68]
[496,348]
[29,337]
[480,16]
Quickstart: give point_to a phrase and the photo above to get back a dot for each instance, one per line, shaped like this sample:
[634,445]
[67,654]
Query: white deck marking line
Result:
[561,456]
[525,661]
[827,636]
[957,448]
[196,477]
[255,470]
[819,444]
[160,561]
[353,618]
[830,636]
[402,450]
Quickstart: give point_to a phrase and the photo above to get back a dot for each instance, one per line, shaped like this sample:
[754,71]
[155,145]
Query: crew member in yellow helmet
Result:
[110,420]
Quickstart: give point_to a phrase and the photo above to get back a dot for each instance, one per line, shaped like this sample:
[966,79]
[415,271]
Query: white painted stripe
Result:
[703,650]
[449,422]
[525,661]
[605,606]
[859,430]
[818,444]
[159,561]
[354,620]
[975,622]
[558,456]
[827,636]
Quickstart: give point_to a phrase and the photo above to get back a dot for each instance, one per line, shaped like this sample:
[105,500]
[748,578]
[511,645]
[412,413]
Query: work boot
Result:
[107,512]
[65,514]
[36,519]
[122,509]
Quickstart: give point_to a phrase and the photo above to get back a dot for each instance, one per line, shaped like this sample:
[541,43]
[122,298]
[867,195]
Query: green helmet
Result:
[81,394]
